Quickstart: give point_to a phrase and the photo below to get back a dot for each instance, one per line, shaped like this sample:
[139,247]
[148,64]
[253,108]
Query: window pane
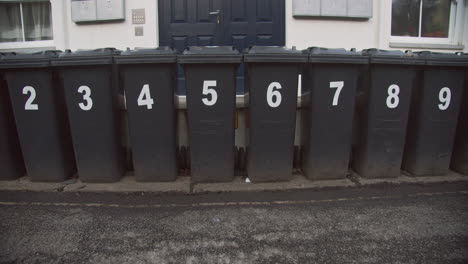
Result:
[435,18]
[10,23]
[405,17]
[37,21]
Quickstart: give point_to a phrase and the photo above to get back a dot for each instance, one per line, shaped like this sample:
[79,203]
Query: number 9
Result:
[445,95]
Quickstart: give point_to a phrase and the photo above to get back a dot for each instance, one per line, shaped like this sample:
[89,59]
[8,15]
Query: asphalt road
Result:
[380,224]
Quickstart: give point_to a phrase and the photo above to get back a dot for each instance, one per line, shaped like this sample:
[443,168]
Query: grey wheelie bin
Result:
[10,152]
[92,100]
[329,88]
[272,79]
[434,114]
[40,115]
[148,77]
[460,152]
[388,83]
[210,74]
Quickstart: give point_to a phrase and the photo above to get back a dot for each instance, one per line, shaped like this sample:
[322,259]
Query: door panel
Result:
[242,23]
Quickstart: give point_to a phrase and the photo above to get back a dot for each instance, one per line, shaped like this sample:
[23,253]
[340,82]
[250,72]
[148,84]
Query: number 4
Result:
[338,86]
[145,98]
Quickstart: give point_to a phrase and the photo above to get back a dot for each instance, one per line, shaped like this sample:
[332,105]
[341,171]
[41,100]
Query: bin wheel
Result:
[129,157]
[242,160]
[188,165]
[297,158]
[236,161]
[181,160]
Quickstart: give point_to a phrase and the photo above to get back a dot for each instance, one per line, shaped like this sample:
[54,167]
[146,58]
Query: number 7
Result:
[338,85]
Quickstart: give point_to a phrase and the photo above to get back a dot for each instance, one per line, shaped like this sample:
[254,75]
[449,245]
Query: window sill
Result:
[426,46]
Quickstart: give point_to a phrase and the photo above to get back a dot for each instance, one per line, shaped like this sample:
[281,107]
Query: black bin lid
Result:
[85,57]
[324,55]
[444,59]
[39,59]
[274,54]
[146,55]
[378,56]
[210,54]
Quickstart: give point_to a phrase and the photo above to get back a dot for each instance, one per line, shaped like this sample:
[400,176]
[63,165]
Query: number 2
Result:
[32,95]
[87,97]
[145,98]
[338,86]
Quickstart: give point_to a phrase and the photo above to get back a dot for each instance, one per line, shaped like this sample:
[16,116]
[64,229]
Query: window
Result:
[424,21]
[25,24]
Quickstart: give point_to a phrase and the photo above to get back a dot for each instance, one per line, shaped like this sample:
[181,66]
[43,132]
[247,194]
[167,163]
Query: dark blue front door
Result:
[240,23]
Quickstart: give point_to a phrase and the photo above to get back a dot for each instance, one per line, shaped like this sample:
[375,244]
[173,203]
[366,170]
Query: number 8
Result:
[392,99]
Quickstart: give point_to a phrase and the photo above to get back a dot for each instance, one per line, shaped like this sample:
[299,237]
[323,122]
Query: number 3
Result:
[87,97]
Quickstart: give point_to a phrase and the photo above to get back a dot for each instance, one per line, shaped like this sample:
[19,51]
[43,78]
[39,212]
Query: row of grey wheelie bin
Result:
[403,109]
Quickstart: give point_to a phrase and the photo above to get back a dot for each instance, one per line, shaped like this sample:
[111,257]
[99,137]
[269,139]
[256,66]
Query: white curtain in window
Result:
[10,22]
[37,21]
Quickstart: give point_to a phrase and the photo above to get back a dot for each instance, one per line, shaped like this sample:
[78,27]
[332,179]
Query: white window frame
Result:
[454,40]
[32,44]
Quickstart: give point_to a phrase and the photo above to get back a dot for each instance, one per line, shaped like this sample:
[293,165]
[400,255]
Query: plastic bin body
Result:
[40,116]
[382,133]
[329,88]
[433,119]
[10,152]
[148,77]
[92,102]
[210,74]
[272,79]
[460,152]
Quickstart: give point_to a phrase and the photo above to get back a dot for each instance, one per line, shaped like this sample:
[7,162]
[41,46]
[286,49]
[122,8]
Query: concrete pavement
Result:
[406,223]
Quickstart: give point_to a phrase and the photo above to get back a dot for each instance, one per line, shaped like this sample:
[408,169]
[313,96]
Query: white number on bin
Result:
[338,86]
[86,91]
[209,91]
[445,95]
[272,92]
[145,97]
[29,105]
[392,99]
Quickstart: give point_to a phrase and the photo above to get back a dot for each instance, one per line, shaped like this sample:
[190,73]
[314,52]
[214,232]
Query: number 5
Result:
[339,85]
[209,91]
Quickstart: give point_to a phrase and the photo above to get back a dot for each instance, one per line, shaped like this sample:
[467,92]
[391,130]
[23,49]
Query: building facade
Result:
[440,25]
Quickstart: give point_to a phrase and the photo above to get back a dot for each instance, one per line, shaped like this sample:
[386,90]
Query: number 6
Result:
[274,93]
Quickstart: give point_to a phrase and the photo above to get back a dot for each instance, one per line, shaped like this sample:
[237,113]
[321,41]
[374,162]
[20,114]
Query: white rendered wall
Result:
[332,33]
[116,34]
